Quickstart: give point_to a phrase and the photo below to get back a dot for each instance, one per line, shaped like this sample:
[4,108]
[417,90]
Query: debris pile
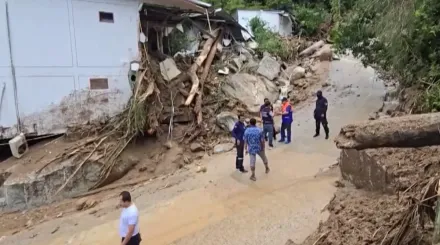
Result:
[404,211]
[198,87]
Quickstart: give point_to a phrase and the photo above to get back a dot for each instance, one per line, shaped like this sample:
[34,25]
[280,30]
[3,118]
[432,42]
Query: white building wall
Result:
[274,21]
[58,46]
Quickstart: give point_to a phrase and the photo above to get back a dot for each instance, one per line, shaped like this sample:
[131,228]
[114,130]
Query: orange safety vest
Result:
[284,107]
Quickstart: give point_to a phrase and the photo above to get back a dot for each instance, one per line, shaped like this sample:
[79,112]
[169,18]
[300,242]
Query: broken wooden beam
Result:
[407,131]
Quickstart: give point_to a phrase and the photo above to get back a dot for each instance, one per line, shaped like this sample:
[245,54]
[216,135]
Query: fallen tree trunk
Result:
[193,70]
[312,49]
[408,131]
[207,66]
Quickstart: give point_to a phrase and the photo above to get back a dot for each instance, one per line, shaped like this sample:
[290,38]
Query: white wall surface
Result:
[58,45]
[272,18]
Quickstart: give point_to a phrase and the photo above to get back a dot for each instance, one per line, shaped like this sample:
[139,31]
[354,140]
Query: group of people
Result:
[248,138]
[251,139]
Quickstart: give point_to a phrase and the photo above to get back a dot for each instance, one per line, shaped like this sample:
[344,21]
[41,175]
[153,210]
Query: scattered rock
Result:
[201,169]
[389,107]
[55,230]
[168,144]
[339,184]
[224,71]
[226,120]
[325,53]
[60,215]
[293,73]
[196,147]
[250,90]
[85,203]
[269,68]
[143,169]
[169,69]
[290,242]
[199,155]
[326,84]
[373,116]
[33,235]
[220,148]
[2,238]
[29,223]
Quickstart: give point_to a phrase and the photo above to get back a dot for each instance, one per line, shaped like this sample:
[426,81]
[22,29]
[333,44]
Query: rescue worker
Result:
[238,134]
[286,123]
[320,114]
[266,113]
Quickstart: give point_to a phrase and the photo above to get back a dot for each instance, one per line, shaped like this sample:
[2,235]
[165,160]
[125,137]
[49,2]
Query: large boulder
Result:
[293,73]
[226,120]
[225,147]
[269,68]
[250,90]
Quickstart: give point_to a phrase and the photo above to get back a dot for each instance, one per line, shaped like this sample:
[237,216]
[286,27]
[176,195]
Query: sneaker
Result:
[316,135]
[243,170]
[281,140]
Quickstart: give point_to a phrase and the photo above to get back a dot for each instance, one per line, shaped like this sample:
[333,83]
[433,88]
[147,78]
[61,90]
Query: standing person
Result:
[129,221]
[238,134]
[266,113]
[320,114]
[286,123]
[254,145]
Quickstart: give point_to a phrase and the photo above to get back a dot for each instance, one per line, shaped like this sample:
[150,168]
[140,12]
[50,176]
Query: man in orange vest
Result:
[286,123]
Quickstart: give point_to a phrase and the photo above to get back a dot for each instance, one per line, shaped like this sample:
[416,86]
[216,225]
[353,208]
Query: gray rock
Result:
[293,73]
[269,68]
[196,147]
[220,148]
[168,69]
[226,120]
[389,106]
[250,90]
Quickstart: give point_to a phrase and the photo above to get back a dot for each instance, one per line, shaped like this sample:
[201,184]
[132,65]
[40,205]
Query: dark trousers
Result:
[286,127]
[135,240]
[324,122]
[240,155]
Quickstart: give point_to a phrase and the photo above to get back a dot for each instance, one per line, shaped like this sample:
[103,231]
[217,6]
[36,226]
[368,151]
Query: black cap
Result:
[284,99]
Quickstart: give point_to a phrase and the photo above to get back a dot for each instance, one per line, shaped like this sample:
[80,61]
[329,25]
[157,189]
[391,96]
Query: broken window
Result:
[98,83]
[106,17]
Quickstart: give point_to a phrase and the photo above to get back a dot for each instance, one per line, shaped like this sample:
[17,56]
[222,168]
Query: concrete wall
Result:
[58,46]
[274,20]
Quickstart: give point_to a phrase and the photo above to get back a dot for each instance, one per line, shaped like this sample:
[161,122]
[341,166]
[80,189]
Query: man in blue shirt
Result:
[287,119]
[266,113]
[254,145]
[238,134]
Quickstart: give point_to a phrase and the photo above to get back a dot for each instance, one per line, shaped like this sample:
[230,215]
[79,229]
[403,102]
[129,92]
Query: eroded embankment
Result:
[385,210]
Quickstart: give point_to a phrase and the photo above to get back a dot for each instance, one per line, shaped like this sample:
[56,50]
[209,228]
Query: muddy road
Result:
[222,206]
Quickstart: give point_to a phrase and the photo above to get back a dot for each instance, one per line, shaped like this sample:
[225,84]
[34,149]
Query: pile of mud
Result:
[401,214]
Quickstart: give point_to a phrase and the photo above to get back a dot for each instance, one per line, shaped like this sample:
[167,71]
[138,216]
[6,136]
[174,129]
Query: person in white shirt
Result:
[129,221]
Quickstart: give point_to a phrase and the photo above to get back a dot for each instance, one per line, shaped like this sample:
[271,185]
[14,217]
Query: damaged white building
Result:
[66,62]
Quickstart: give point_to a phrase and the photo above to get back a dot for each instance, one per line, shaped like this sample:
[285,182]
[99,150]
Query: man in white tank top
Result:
[129,221]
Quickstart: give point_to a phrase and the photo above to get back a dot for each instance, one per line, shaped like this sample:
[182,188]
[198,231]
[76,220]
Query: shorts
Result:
[253,158]
[135,240]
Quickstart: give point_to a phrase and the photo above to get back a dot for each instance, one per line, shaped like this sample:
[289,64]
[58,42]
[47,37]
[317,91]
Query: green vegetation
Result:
[311,17]
[267,40]
[402,37]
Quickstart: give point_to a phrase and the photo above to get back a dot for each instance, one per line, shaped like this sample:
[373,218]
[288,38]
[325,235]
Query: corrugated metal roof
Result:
[181,4]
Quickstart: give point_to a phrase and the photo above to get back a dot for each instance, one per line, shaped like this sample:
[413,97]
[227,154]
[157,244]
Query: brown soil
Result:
[361,217]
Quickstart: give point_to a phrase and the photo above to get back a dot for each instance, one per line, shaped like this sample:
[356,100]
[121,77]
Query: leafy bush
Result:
[267,40]
[402,37]
[311,17]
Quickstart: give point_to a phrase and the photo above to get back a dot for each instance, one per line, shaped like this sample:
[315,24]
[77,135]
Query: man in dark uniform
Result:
[320,114]
[238,134]
[266,113]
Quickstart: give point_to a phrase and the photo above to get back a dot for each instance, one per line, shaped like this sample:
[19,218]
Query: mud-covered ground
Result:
[362,217]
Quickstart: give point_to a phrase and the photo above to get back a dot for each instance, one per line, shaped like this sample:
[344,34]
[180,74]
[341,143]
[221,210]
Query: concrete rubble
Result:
[169,69]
